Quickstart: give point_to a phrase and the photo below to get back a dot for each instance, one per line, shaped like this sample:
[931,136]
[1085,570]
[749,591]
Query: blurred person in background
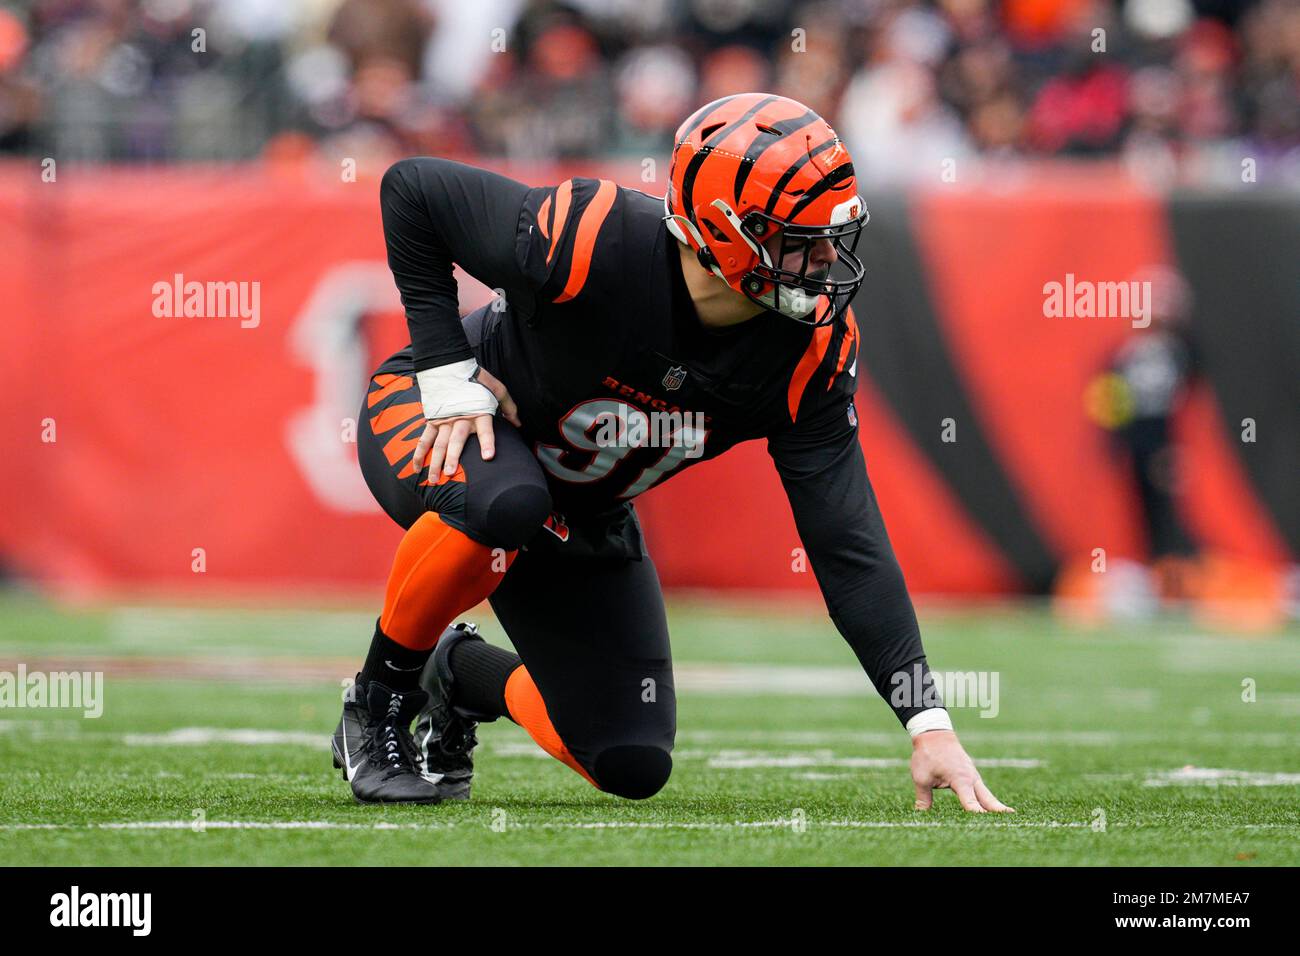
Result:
[1205,59]
[980,82]
[896,124]
[732,68]
[1136,399]
[568,108]
[385,110]
[19,98]
[656,86]
[1269,94]
[760,24]
[812,64]
[1081,109]
[1153,145]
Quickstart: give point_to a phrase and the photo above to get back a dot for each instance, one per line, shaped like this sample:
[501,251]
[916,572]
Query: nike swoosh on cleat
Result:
[404,670]
[424,749]
[350,770]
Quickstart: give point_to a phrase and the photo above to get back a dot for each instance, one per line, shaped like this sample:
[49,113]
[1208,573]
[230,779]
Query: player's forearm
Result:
[841,527]
[869,604]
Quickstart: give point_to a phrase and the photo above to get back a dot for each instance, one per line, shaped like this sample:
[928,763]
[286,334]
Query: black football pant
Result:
[590,630]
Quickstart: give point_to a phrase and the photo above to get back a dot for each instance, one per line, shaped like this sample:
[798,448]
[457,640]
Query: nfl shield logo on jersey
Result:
[673,380]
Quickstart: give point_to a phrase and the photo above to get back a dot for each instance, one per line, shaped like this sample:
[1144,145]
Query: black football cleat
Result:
[444,734]
[373,747]
[345,745]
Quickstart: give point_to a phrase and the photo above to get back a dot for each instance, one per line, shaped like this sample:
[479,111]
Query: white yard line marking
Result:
[965,824]
[728,759]
[818,775]
[717,759]
[771,679]
[181,825]
[981,731]
[724,759]
[729,679]
[741,759]
[1219,777]
[1190,776]
[198,736]
[747,760]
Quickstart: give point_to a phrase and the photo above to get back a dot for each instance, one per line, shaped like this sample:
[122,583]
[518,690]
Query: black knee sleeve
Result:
[511,516]
[635,771]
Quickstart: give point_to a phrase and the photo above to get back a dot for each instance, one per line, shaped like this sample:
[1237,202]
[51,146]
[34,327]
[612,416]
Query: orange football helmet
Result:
[754,165]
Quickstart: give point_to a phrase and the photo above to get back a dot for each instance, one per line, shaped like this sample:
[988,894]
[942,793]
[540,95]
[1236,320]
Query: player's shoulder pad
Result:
[827,370]
[564,232]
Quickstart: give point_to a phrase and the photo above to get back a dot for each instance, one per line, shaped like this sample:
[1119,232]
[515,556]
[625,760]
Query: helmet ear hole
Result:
[714,231]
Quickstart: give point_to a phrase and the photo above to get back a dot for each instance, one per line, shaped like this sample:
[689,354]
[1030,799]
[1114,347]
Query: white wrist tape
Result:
[447,391]
[934,719]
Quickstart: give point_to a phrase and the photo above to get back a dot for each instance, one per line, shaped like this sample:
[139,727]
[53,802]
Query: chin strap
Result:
[738,231]
[791,302]
[684,231]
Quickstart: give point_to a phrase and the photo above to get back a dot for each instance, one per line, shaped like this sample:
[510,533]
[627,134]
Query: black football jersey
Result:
[594,324]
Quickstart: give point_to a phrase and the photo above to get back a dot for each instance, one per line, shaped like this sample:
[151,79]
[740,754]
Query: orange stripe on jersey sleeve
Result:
[542,215]
[812,357]
[850,336]
[563,196]
[584,246]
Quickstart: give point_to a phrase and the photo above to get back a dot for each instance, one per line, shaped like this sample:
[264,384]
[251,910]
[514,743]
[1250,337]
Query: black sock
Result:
[396,667]
[479,671]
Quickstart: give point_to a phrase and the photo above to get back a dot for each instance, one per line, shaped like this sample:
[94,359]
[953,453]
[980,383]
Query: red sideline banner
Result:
[185,353]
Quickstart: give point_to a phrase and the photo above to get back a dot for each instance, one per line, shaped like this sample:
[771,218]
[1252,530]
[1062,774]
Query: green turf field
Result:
[212,749]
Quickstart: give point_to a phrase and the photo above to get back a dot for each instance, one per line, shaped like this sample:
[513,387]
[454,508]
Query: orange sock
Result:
[527,709]
[438,572]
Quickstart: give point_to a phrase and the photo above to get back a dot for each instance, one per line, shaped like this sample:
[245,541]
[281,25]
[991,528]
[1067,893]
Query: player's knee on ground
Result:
[634,771]
[510,516]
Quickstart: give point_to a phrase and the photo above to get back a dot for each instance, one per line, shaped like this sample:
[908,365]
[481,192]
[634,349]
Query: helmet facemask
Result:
[795,292]
[738,253]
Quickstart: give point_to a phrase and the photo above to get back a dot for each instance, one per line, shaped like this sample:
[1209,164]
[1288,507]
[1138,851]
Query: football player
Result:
[728,299]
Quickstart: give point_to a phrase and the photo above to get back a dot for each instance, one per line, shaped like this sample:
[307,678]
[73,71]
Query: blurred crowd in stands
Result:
[1175,89]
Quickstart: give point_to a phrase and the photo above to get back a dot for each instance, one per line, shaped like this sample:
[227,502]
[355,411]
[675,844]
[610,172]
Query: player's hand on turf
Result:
[940,763]
[444,439]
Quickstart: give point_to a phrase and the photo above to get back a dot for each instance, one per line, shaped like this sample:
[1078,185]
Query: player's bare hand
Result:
[443,440]
[940,763]
[507,410]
